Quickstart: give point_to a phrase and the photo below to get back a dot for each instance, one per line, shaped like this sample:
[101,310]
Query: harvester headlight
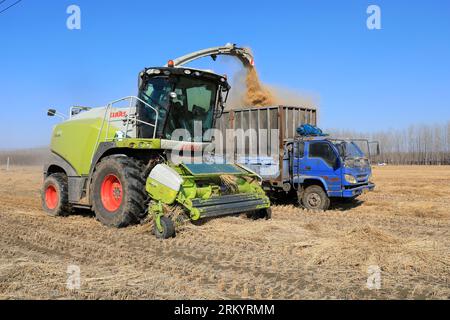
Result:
[187,71]
[153,71]
[350,179]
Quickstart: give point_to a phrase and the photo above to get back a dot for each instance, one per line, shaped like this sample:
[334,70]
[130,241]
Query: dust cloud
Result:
[249,92]
[256,94]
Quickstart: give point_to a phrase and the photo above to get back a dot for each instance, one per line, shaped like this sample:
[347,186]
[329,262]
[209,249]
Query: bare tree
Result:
[415,145]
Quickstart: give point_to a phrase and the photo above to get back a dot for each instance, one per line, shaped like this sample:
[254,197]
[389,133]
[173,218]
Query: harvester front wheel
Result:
[55,195]
[167,226]
[261,214]
[118,191]
[267,213]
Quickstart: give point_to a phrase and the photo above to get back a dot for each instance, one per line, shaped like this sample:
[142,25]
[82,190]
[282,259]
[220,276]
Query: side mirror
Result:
[222,102]
[77,110]
[53,112]
[378,150]
[141,80]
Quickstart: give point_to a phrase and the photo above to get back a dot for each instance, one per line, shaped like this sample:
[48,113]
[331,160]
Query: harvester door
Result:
[322,161]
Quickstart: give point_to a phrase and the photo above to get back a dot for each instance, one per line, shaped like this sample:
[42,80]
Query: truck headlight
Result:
[350,179]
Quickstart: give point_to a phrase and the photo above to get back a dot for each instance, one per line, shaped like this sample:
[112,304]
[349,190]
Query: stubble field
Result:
[403,228]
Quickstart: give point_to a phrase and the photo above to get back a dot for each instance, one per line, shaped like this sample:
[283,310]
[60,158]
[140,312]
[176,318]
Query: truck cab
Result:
[322,168]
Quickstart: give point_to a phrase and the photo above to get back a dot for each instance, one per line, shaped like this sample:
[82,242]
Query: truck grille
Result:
[362,177]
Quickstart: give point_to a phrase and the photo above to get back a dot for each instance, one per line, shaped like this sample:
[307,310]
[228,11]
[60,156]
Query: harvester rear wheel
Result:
[168,228]
[55,195]
[118,191]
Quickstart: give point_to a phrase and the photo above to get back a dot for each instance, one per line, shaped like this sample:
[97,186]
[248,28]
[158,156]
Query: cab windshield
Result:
[349,150]
[181,102]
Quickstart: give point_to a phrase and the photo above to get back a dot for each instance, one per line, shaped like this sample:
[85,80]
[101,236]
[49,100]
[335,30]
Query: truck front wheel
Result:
[315,198]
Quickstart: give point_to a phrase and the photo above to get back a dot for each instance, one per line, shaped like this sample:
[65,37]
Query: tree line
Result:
[415,145]
[24,157]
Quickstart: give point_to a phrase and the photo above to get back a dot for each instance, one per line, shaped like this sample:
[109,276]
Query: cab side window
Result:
[300,150]
[324,151]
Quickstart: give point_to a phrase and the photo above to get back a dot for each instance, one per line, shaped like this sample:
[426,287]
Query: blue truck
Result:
[314,169]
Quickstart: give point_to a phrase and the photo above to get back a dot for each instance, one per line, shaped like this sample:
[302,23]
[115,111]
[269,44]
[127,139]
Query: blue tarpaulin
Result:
[309,130]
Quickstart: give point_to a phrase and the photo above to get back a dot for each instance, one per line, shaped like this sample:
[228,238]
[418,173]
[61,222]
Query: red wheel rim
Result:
[111,193]
[51,197]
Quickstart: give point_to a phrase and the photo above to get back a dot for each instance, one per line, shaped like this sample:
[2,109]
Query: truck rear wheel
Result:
[315,198]
[118,191]
[55,195]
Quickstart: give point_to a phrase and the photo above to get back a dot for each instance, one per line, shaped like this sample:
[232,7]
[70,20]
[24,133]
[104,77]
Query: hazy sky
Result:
[365,79]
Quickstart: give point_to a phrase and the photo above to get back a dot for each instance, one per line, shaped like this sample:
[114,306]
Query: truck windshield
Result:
[349,150]
[194,101]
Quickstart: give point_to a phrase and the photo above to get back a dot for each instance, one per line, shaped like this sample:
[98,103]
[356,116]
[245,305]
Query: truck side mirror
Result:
[378,150]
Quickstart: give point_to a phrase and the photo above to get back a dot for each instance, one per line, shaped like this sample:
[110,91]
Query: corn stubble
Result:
[402,227]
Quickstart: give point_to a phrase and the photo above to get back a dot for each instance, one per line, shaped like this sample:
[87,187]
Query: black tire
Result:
[267,213]
[55,195]
[127,201]
[168,228]
[260,214]
[315,198]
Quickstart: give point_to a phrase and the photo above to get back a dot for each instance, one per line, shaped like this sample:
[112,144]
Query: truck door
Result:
[296,157]
[322,161]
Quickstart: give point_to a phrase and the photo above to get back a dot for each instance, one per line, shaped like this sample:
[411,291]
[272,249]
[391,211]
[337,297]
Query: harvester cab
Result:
[184,96]
[180,99]
[121,160]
